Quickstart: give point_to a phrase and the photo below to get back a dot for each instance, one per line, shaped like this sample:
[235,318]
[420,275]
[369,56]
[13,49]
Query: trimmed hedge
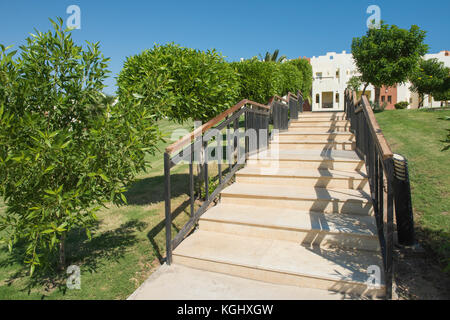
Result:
[183,83]
[292,78]
[259,81]
[401,105]
[180,83]
[305,68]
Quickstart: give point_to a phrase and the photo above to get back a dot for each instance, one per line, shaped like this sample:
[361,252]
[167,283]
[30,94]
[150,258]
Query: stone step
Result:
[306,228]
[313,135]
[300,127]
[326,116]
[305,144]
[309,159]
[331,200]
[303,177]
[320,122]
[316,136]
[282,262]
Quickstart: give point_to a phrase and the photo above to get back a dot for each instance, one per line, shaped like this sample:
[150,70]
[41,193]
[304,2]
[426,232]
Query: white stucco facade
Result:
[332,71]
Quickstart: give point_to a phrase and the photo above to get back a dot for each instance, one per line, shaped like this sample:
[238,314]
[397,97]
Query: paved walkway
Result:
[177,282]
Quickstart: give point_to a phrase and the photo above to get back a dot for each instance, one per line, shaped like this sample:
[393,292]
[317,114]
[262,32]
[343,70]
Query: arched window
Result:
[337,97]
[317,98]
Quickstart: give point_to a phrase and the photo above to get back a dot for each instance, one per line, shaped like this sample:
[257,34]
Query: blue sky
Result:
[235,28]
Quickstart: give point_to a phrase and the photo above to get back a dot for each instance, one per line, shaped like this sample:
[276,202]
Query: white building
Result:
[332,71]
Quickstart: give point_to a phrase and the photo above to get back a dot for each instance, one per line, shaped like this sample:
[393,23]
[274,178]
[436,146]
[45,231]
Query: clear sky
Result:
[235,28]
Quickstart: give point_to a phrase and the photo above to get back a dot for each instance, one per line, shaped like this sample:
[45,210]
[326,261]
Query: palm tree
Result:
[273,56]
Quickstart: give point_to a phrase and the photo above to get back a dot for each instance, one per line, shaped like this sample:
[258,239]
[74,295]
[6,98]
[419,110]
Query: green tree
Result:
[63,152]
[354,83]
[388,55]
[180,83]
[430,77]
[305,68]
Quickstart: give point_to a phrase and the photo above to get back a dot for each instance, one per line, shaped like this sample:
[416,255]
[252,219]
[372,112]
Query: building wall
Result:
[332,71]
[388,95]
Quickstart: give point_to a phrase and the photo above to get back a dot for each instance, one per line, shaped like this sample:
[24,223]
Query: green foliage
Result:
[377,107]
[307,75]
[259,80]
[354,83]
[179,83]
[443,94]
[388,55]
[431,77]
[273,57]
[64,149]
[292,78]
[401,105]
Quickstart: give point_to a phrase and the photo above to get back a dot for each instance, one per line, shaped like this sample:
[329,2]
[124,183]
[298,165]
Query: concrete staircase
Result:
[298,214]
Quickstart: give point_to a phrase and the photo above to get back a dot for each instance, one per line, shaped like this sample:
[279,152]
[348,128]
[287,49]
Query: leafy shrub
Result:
[64,150]
[178,82]
[292,78]
[259,80]
[306,69]
[376,106]
[401,105]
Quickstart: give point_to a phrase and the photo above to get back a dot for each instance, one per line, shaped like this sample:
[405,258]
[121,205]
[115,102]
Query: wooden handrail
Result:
[200,130]
[281,98]
[364,105]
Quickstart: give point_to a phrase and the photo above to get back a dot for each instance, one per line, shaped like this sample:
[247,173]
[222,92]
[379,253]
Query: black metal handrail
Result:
[195,148]
[374,149]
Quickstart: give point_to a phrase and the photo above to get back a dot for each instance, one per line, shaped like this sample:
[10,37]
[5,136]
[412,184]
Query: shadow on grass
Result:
[151,190]
[151,235]
[103,249]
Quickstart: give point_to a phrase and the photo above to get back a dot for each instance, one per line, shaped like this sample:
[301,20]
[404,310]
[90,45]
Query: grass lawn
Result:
[127,244]
[419,135]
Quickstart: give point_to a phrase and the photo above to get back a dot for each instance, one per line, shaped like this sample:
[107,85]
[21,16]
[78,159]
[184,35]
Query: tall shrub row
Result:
[179,83]
[182,83]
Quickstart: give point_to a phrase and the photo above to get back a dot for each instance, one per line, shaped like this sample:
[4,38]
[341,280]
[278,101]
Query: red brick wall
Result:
[385,93]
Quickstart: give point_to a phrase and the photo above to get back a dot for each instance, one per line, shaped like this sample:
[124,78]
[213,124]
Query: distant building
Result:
[332,72]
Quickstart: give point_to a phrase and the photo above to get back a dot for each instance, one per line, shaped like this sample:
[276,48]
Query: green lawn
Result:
[419,135]
[127,245]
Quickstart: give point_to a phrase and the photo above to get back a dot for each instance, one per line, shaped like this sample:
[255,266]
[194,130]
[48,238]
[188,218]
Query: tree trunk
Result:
[421,98]
[62,252]
[365,87]
[377,95]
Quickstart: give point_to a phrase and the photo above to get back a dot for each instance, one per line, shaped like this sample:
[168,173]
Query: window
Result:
[337,73]
[337,97]
[382,98]
[331,57]
[317,98]
[389,99]
[319,75]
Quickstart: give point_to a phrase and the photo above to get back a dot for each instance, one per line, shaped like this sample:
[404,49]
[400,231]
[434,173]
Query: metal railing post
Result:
[167,208]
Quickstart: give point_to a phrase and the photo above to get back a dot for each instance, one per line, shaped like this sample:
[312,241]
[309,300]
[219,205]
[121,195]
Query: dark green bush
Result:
[292,78]
[180,83]
[305,68]
[259,80]
[401,105]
